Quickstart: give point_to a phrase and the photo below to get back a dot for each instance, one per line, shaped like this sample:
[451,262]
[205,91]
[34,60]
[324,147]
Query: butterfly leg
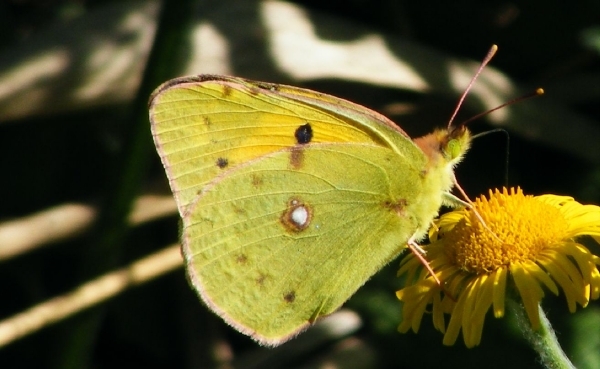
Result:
[451,200]
[420,254]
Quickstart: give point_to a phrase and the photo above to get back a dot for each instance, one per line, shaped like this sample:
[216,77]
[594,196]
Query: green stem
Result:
[542,340]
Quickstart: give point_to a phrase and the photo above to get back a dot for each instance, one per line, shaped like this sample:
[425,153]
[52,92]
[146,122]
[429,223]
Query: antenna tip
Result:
[539,91]
[490,54]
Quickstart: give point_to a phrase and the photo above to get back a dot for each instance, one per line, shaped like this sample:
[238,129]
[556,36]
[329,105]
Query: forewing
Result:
[205,125]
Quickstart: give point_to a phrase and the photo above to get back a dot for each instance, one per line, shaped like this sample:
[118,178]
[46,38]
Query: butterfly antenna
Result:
[469,203]
[538,92]
[485,62]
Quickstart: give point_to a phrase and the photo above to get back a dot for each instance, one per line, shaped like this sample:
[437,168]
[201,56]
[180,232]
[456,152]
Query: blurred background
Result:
[87,219]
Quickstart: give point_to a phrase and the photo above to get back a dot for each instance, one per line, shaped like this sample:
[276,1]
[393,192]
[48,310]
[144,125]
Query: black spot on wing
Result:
[290,297]
[222,162]
[304,134]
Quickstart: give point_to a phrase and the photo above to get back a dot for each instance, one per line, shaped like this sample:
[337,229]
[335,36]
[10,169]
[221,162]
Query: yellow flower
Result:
[525,241]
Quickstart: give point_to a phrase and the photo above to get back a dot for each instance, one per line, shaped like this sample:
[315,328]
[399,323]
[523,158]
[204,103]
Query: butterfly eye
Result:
[453,149]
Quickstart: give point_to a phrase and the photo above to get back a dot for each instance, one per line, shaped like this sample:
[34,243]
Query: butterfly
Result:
[291,199]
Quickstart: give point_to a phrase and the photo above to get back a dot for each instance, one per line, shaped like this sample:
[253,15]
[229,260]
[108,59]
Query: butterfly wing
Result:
[206,124]
[272,246]
[290,199]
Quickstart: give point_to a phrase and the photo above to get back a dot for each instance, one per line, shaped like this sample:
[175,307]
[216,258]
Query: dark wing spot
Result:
[290,297]
[297,216]
[296,156]
[304,134]
[268,86]
[238,210]
[222,162]
[257,180]
[227,90]
[260,280]
[397,206]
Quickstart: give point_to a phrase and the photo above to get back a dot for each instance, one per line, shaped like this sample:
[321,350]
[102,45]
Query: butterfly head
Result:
[445,147]
[455,144]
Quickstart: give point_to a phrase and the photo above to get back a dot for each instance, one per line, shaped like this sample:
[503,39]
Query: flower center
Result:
[519,227]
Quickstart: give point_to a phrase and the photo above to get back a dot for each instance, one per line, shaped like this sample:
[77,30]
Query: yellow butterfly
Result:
[291,199]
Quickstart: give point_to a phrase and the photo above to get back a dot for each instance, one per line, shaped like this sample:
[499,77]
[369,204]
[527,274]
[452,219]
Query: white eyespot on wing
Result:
[297,216]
